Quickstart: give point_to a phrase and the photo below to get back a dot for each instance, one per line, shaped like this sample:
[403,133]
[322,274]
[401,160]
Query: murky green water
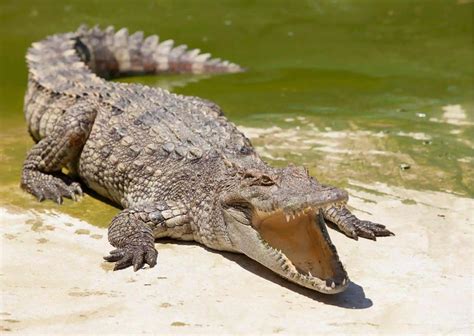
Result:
[353,89]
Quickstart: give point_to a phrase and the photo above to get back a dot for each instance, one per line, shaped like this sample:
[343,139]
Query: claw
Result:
[59,200]
[151,258]
[114,255]
[124,262]
[117,251]
[385,233]
[77,190]
[76,186]
[366,232]
[354,235]
[370,236]
[138,261]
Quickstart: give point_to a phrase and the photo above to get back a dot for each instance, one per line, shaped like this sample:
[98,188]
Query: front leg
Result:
[353,227]
[133,232]
[133,238]
[41,175]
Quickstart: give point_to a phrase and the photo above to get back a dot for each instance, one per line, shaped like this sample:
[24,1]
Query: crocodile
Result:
[173,163]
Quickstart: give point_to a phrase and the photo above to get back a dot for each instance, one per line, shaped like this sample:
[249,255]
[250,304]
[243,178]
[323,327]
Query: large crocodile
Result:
[174,163]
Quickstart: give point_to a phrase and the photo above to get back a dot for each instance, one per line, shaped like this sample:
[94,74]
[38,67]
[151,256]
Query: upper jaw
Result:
[293,212]
[294,205]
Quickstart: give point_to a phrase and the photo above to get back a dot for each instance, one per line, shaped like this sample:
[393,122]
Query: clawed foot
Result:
[352,226]
[367,229]
[44,186]
[136,255]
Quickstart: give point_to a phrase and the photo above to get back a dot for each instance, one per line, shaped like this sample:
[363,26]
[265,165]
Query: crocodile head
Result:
[274,216]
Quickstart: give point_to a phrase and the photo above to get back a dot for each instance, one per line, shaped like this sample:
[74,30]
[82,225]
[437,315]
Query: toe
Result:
[114,255]
[125,262]
[76,188]
[365,232]
[138,260]
[151,257]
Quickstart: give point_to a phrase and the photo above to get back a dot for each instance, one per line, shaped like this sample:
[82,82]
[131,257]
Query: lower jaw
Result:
[326,286]
[304,252]
[323,288]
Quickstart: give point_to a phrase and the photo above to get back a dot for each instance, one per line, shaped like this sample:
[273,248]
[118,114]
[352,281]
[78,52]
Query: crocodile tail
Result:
[111,53]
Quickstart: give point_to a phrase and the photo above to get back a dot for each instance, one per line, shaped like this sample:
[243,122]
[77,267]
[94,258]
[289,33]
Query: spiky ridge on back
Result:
[55,65]
[118,53]
[61,61]
[71,66]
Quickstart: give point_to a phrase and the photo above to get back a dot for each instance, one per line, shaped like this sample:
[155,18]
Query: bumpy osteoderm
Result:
[174,163]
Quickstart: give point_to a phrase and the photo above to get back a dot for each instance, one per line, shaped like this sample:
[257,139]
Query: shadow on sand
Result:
[352,298]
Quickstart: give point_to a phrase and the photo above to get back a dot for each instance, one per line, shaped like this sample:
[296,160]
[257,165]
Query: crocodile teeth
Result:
[287,217]
[333,285]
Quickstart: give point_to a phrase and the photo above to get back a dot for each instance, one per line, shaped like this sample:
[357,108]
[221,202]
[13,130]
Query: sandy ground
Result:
[53,279]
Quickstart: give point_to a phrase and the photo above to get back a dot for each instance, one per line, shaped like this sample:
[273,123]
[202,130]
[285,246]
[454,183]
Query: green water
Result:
[381,72]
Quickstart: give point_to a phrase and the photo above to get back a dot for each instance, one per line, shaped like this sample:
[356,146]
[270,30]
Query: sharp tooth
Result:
[287,217]
[310,274]
[344,282]
[333,285]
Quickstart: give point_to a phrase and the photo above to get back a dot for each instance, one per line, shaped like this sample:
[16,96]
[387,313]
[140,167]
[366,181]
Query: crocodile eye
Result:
[252,177]
[266,180]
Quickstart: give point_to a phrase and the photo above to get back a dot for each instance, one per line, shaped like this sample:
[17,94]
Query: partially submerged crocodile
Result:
[174,163]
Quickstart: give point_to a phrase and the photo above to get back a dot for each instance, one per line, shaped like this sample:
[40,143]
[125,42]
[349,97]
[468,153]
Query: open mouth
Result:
[303,247]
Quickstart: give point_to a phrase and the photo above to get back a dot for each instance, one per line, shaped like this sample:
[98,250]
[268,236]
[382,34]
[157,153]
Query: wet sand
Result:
[53,279]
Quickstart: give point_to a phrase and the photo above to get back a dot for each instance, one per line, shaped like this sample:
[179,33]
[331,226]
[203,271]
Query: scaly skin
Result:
[174,163]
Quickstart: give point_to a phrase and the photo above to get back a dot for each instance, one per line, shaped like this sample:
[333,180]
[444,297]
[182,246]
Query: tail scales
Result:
[117,53]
